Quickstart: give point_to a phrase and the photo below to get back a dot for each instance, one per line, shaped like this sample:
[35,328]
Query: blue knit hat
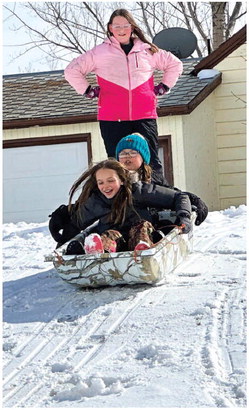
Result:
[136,142]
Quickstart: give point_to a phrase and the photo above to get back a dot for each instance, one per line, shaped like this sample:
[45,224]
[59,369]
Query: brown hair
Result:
[137,31]
[144,173]
[122,199]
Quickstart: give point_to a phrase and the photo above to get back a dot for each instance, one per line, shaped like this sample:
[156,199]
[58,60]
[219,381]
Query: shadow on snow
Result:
[45,297]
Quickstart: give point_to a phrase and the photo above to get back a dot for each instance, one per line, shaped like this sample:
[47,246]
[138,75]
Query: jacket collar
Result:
[138,44]
[99,194]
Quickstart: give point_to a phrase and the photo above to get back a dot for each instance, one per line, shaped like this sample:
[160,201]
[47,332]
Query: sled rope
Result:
[59,258]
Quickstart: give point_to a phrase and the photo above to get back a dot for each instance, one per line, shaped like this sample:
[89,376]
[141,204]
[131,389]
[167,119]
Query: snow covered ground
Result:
[180,344]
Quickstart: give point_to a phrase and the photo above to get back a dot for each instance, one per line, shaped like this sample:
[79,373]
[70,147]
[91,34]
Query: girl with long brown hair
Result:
[121,209]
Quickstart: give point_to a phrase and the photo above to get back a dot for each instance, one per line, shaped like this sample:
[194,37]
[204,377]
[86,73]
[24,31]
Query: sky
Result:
[31,61]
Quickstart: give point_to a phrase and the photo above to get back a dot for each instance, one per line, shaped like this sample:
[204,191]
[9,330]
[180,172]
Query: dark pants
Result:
[113,131]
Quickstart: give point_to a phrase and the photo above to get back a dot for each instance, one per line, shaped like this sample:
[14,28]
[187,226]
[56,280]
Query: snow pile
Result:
[180,344]
[94,386]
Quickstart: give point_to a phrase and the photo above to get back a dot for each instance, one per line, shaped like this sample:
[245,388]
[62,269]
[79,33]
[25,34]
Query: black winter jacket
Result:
[98,207]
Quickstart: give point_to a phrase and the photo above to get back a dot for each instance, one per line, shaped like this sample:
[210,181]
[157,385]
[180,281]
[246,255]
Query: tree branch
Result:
[233,18]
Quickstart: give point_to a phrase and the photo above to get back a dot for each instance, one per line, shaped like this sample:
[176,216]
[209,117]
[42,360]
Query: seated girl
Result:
[133,152]
[121,209]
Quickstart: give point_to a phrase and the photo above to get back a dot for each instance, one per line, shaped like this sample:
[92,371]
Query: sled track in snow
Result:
[218,354]
[18,260]
[89,335]
[27,353]
[205,245]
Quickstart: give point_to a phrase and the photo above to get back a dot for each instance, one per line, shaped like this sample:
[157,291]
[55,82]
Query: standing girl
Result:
[124,65]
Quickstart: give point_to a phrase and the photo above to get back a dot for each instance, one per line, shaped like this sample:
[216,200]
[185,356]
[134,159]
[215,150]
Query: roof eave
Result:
[188,108]
[225,49]
[40,122]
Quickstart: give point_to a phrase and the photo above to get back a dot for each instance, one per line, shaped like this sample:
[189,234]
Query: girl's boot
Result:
[110,240]
[140,236]
[93,244]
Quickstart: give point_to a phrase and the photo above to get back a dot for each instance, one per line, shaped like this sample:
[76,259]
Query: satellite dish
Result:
[179,41]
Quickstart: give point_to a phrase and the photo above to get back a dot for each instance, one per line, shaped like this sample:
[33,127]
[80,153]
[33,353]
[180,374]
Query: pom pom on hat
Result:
[136,142]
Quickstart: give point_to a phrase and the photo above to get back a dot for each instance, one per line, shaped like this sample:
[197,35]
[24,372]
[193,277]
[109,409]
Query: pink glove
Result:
[92,92]
[161,89]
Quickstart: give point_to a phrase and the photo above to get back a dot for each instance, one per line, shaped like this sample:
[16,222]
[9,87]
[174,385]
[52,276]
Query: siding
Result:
[200,152]
[230,107]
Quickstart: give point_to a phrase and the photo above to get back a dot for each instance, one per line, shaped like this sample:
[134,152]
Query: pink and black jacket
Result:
[126,81]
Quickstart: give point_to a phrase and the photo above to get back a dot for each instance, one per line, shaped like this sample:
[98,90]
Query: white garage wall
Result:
[37,179]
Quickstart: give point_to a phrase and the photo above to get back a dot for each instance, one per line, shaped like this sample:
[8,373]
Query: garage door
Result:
[37,179]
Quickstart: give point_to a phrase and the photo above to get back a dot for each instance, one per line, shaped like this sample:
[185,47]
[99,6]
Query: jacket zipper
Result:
[130,96]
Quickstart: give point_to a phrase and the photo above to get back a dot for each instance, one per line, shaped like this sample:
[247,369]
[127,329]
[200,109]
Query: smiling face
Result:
[108,182]
[121,29]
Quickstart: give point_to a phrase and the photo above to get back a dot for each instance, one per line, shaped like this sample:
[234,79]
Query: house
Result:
[51,134]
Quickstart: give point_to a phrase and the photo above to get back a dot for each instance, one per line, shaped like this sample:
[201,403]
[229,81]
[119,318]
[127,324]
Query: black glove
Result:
[61,220]
[92,92]
[183,219]
[202,209]
[161,89]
